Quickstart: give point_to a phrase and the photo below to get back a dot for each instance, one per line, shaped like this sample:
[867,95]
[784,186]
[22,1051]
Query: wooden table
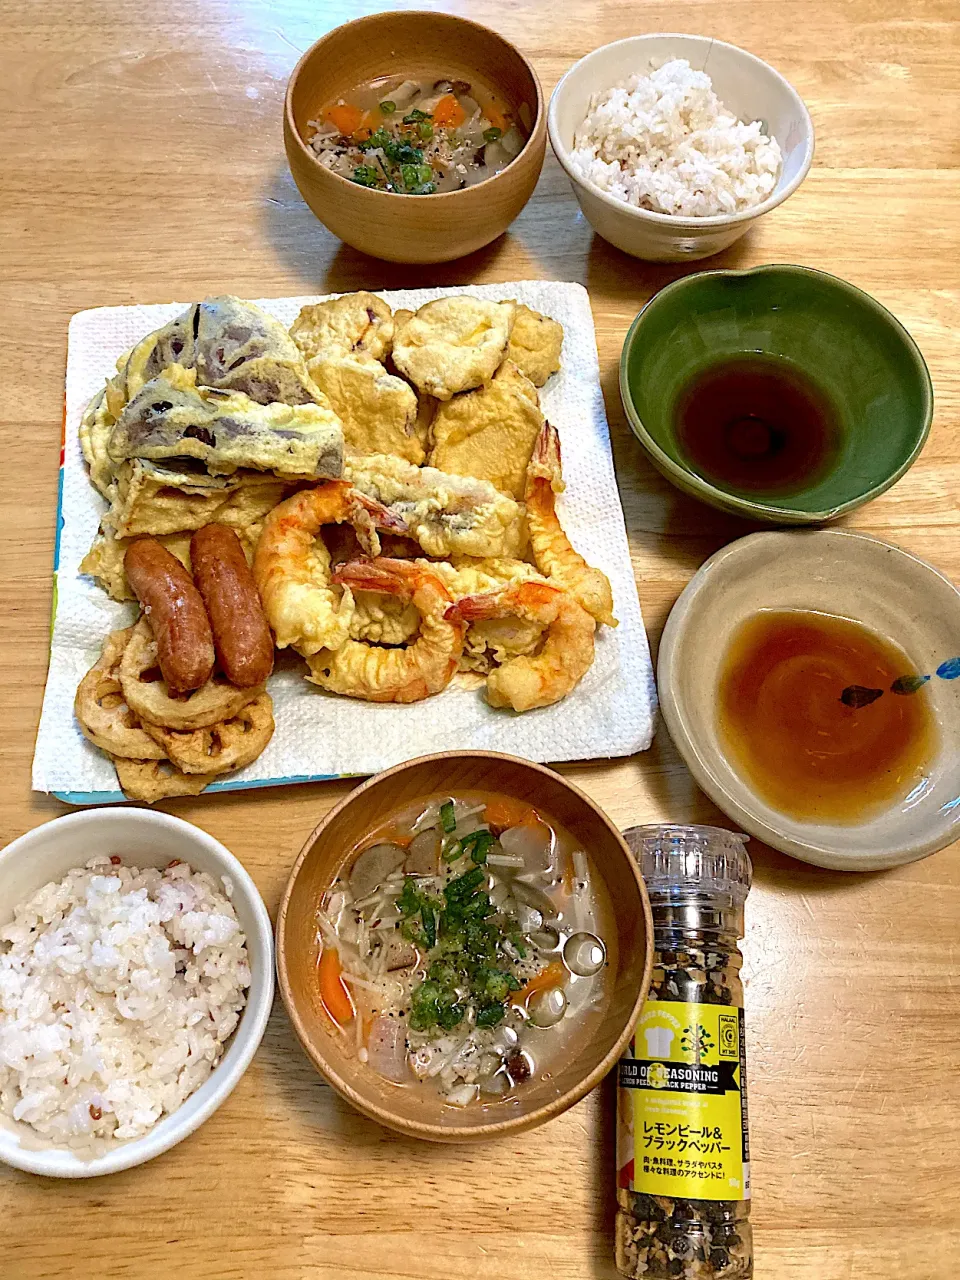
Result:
[143,162]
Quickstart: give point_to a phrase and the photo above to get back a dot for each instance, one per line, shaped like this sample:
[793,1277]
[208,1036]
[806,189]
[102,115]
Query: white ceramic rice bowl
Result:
[745,85]
[142,838]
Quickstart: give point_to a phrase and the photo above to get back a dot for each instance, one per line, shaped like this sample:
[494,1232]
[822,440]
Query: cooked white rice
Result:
[118,988]
[665,142]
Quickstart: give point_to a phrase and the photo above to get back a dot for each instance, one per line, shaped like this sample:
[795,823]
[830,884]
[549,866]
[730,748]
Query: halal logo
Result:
[729,1036]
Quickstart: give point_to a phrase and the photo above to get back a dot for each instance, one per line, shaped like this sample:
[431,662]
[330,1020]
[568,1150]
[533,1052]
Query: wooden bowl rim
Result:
[537,130]
[496,1128]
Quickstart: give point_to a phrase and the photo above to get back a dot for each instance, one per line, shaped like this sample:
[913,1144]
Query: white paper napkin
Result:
[319,735]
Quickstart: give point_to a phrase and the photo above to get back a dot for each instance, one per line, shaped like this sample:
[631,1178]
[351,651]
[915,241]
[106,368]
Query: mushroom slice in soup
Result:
[373,866]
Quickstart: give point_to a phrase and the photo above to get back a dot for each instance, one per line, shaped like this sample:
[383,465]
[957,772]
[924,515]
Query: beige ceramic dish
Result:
[846,574]
[407,1109]
[748,87]
[400,228]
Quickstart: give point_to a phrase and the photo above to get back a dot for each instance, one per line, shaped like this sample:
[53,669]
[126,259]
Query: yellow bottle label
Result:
[682,1104]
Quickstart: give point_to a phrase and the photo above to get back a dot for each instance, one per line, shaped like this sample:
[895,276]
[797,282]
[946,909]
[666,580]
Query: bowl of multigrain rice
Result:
[136,979]
[676,145]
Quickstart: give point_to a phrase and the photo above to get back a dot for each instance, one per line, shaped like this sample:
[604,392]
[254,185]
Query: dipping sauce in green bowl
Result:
[781,394]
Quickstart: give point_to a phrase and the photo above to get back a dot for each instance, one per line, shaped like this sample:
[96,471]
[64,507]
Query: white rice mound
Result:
[118,988]
[665,142]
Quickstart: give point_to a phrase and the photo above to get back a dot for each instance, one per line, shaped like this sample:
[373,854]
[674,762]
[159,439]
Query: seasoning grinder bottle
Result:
[683,1158]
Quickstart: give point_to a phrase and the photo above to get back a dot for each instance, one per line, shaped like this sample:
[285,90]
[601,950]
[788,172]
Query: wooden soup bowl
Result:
[402,228]
[417,1111]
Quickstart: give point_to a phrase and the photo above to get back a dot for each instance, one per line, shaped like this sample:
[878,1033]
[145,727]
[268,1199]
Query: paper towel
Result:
[319,735]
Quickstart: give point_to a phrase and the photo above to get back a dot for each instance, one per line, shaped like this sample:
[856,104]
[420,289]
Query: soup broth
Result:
[464,948]
[417,137]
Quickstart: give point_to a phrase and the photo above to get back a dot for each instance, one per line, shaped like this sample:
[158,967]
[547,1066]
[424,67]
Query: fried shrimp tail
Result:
[408,674]
[305,609]
[565,656]
[552,551]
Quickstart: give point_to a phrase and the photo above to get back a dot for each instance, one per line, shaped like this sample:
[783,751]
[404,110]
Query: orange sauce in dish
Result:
[822,716]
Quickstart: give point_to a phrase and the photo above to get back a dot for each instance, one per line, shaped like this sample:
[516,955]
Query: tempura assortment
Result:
[372,490]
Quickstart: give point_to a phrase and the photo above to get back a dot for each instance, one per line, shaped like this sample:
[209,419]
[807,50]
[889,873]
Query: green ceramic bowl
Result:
[857,354]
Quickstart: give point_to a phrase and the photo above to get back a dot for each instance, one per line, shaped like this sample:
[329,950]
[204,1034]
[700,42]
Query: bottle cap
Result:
[675,860]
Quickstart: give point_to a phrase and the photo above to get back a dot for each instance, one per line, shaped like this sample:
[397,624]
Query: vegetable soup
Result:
[417,137]
[464,947]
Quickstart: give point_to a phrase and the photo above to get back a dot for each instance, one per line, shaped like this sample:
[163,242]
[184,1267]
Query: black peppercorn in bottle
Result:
[683,1157]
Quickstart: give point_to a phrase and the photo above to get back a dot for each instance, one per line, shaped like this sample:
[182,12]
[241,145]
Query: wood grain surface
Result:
[143,162]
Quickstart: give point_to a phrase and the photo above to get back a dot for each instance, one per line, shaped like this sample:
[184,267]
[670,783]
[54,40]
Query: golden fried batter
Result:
[445,514]
[453,344]
[96,426]
[172,417]
[233,345]
[535,345]
[153,780]
[492,640]
[357,323]
[378,411]
[490,433]
[152,498]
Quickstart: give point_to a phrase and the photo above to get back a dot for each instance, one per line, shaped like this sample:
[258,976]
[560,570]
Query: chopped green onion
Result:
[429,921]
[365,175]
[425,130]
[493,134]
[415,178]
[477,844]
[448,816]
[415,116]
[409,900]
[491,1015]
[378,139]
[388,107]
[454,852]
[457,891]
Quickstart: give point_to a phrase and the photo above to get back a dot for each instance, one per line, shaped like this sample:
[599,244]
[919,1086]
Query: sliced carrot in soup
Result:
[333,993]
[448,113]
[554,975]
[504,811]
[496,117]
[345,117]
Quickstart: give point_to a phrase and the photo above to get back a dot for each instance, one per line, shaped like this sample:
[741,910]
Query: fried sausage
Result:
[175,610]
[241,632]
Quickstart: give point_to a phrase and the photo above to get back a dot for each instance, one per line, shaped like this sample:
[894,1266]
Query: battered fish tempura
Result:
[447,515]
[355,324]
[453,344]
[535,345]
[378,411]
[490,433]
[153,498]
